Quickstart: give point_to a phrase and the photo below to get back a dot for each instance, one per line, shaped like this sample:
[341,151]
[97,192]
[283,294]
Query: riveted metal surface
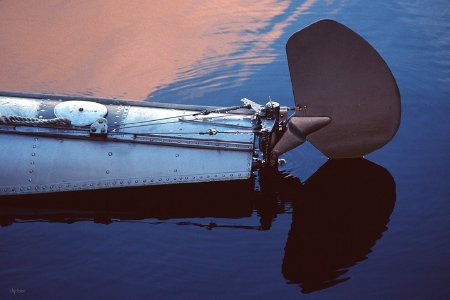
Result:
[108,101]
[128,138]
[80,113]
[228,121]
[28,107]
[46,109]
[173,146]
[116,114]
[117,183]
[196,143]
[167,121]
[70,164]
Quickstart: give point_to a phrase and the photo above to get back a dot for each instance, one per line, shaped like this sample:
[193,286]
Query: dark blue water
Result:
[361,229]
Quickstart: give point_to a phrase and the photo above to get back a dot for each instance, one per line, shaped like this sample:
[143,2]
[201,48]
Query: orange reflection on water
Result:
[131,48]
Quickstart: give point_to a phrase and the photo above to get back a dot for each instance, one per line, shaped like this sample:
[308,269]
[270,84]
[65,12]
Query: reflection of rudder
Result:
[344,209]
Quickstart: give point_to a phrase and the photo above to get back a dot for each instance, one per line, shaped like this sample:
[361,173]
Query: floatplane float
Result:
[347,105]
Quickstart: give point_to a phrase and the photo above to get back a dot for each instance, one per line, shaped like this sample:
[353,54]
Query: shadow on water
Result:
[337,214]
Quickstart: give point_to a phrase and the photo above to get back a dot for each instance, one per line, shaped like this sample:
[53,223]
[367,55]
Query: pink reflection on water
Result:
[132,48]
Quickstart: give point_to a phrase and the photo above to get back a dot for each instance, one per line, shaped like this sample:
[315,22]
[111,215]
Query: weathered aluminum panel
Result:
[80,113]
[145,145]
[182,123]
[43,164]
[28,108]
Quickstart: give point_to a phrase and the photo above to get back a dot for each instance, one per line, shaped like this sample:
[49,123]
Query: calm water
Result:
[361,229]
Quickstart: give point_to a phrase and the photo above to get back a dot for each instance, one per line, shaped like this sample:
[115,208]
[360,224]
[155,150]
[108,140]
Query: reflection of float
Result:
[338,213]
[346,104]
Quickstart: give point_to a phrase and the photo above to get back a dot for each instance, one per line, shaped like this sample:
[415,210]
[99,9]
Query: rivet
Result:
[107,171]
[110,153]
[136,181]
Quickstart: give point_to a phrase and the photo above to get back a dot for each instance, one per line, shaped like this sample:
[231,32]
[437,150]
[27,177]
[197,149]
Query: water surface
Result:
[374,228]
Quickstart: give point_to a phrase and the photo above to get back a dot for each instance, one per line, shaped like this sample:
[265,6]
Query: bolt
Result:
[80,109]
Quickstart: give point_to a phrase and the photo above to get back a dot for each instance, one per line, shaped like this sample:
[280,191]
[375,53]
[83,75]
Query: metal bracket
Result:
[99,127]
